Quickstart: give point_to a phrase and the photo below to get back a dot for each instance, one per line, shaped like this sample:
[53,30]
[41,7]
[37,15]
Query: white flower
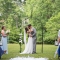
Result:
[8,31]
[20,41]
[29,58]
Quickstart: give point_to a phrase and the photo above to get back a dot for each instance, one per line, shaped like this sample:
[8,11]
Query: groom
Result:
[33,35]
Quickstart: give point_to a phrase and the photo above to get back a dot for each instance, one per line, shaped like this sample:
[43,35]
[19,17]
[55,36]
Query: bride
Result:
[29,46]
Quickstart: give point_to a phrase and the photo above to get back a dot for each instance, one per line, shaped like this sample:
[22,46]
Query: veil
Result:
[24,37]
[59,33]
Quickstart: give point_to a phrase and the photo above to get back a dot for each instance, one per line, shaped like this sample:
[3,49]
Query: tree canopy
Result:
[41,14]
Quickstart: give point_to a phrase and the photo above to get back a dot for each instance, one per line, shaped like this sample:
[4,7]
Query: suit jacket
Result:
[33,33]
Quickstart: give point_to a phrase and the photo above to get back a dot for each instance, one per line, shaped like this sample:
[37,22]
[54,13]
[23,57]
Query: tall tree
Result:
[52,27]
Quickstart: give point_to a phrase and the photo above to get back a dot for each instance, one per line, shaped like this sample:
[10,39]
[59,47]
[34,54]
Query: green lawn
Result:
[14,49]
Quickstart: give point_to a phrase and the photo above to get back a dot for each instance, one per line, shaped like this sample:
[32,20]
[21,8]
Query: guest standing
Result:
[4,39]
[1,52]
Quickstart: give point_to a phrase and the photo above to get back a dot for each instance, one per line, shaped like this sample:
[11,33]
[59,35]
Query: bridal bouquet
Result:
[8,31]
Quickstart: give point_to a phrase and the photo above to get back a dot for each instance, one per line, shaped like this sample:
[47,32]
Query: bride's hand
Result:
[30,35]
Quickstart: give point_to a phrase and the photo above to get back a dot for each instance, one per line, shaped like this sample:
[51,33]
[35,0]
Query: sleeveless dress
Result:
[4,44]
[29,47]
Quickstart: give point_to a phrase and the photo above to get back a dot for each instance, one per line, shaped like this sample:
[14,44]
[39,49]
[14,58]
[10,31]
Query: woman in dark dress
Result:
[1,52]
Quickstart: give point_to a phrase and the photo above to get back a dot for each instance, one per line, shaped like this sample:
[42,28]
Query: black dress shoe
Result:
[34,53]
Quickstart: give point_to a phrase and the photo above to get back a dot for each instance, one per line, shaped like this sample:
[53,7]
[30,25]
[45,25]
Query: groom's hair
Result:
[29,25]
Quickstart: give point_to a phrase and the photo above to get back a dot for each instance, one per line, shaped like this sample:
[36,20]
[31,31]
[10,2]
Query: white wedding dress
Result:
[29,47]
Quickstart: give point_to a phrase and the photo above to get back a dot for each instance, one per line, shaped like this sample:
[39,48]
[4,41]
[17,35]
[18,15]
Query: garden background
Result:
[44,15]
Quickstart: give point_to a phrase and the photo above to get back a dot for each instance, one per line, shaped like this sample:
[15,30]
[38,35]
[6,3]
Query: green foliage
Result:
[52,27]
[41,14]
[42,11]
[12,16]
[14,35]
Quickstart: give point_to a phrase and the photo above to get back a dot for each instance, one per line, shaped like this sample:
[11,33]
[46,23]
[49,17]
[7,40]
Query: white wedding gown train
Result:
[29,47]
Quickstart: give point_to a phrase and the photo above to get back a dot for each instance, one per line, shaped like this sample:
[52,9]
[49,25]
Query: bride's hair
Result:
[26,29]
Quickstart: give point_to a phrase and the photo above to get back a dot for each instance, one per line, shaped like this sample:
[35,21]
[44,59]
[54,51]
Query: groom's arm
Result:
[33,32]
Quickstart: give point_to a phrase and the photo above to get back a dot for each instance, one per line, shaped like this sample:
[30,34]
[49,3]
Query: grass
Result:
[14,49]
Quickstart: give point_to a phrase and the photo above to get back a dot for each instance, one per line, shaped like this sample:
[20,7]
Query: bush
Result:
[11,41]
[14,35]
[49,41]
